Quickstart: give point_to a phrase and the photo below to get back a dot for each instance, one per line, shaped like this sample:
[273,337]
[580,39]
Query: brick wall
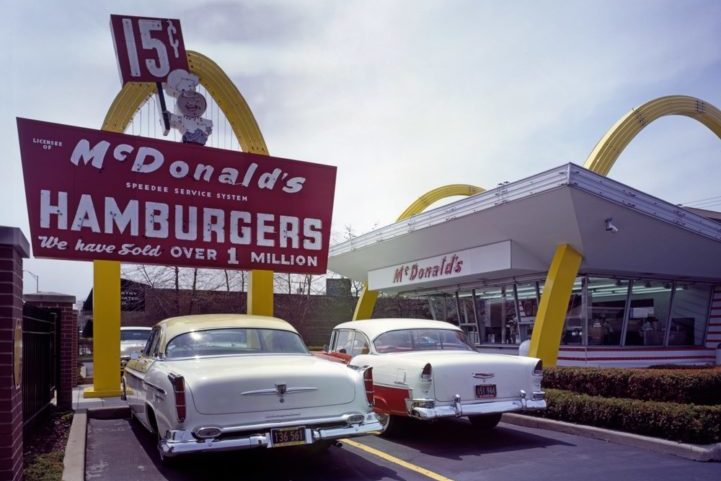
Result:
[13,248]
[67,341]
[314,316]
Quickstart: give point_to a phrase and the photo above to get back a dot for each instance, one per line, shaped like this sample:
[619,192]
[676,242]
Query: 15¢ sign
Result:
[148,49]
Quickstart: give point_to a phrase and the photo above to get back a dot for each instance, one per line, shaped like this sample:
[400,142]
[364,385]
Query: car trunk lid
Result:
[246,384]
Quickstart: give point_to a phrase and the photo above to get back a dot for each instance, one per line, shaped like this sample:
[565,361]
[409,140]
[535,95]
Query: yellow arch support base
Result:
[367,299]
[106,330]
[547,329]
[260,293]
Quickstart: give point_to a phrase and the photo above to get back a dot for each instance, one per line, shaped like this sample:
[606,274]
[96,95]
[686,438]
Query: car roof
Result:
[180,325]
[135,328]
[375,327]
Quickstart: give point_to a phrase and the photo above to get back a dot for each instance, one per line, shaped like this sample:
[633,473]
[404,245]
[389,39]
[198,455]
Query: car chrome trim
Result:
[459,408]
[344,419]
[275,390]
[178,442]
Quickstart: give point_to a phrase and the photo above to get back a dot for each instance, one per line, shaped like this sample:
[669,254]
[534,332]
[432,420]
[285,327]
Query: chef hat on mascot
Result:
[180,81]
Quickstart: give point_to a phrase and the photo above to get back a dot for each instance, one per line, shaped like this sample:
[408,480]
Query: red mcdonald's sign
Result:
[101,195]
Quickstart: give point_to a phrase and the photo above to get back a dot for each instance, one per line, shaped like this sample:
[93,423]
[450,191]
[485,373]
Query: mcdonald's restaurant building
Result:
[648,290]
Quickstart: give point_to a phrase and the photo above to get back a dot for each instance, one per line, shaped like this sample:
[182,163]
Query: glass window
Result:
[648,313]
[688,314]
[343,342]
[223,342]
[134,334]
[528,307]
[361,345]
[151,345]
[497,314]
[421,340]
[607,304]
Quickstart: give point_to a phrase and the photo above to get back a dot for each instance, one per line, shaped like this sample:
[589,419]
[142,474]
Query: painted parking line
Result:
[394,460]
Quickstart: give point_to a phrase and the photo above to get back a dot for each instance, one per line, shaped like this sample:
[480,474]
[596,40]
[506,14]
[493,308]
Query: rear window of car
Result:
[134,334]
[224,342]
[421,340]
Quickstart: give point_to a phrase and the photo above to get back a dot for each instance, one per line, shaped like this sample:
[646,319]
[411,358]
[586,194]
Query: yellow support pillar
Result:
[106,330]
[366,303]
[260,293]
[546,338]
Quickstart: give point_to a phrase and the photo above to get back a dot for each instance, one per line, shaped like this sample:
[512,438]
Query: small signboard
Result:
[96,195]
[147,49]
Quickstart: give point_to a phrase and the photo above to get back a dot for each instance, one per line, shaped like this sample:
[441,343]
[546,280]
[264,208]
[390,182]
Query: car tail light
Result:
[538,370]
[427,373]
[368,381]
[178,383]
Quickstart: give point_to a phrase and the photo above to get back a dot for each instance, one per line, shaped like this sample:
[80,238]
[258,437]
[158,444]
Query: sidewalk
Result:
[82,404]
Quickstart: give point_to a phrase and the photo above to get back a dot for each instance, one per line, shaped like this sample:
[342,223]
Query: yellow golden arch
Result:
[606,152]
[106,283]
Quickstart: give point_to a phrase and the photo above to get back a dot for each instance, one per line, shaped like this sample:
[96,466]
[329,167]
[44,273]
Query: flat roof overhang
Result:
[566,205]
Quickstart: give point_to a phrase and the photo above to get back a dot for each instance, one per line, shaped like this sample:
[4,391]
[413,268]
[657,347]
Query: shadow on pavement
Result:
[455,438]
[121,449]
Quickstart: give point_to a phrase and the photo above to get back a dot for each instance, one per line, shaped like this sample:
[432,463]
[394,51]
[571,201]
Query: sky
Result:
[403,96]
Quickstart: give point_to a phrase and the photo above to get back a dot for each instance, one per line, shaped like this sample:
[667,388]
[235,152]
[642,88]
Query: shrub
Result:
[694,386]
[676,422]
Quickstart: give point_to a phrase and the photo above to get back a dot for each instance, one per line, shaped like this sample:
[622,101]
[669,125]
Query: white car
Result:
[132,340]
[427,370]
[231,381]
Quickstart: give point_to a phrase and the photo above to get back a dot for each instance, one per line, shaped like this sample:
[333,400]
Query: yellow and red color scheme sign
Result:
[101,195]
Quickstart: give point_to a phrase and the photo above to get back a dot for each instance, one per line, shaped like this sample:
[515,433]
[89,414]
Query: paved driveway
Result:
[118,449]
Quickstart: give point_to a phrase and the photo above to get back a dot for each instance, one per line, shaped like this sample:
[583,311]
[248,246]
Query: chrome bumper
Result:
[178,442]
[458,408]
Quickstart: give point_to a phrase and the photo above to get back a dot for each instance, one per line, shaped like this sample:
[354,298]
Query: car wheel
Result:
[485,421]
[390,423]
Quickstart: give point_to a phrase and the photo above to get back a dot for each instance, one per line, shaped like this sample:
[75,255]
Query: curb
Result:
[74,460]
[694,452]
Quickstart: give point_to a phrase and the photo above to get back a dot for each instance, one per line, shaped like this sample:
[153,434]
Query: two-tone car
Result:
[229,381]
[427,370]
[132,340]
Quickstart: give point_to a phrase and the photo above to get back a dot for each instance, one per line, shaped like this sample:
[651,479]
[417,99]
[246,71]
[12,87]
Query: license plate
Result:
[485,390]
[287,436]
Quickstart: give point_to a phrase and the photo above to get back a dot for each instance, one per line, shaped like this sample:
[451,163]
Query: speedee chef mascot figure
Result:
[189,107]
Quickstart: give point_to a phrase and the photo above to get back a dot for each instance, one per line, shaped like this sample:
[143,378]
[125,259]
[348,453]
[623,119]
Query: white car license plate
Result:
[485,391]
[288,436]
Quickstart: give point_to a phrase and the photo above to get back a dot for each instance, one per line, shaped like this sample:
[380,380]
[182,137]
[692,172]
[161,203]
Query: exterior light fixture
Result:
[610,226]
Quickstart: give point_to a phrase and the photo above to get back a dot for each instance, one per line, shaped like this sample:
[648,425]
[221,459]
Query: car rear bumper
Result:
[178,442]
[426,409]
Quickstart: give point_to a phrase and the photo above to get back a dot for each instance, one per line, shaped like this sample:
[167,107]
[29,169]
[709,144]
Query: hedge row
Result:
[691,386]
[672,421]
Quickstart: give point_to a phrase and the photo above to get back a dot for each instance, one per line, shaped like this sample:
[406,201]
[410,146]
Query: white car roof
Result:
[135,328]
[179,325]
[375,327]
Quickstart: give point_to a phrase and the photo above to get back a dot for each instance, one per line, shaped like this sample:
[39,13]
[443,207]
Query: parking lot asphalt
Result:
[120,449]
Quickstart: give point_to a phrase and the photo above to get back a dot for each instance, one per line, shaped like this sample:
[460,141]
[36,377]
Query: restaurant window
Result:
[528,309]
[497,313]
[575,316]
[689,314]
[607,305]
[648,313]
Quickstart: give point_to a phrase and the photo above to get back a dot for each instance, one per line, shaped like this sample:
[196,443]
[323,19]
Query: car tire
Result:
[485,421]
[390,423]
